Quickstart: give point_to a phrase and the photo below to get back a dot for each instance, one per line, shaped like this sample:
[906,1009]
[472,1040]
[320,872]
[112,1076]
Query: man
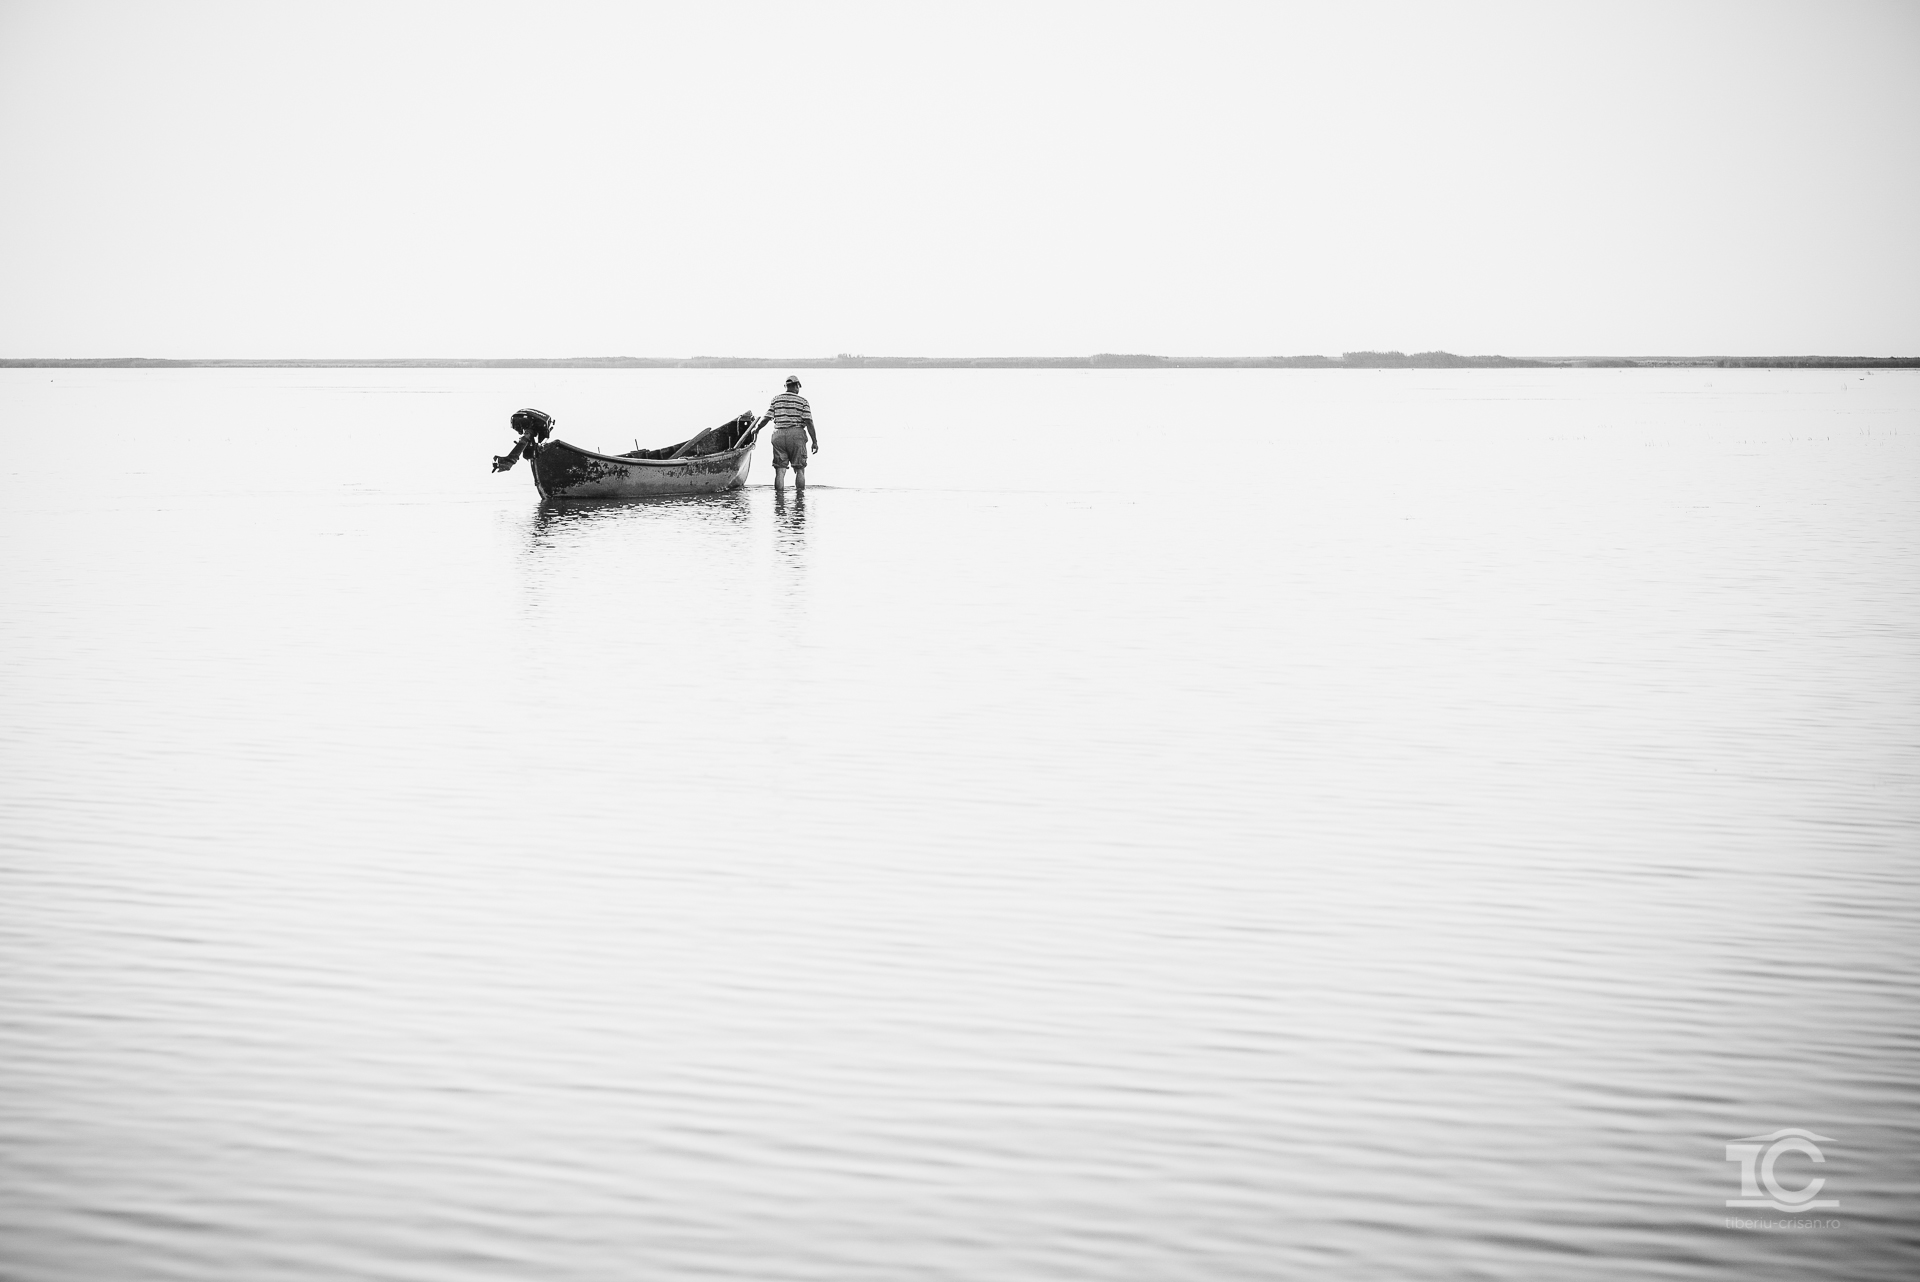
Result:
[792,432]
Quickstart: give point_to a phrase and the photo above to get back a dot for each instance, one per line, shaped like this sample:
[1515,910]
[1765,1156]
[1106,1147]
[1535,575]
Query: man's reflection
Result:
[790,521]
[790,532]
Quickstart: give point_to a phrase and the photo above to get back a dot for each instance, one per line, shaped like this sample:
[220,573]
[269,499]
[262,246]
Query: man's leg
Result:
[780,476]
[799,477]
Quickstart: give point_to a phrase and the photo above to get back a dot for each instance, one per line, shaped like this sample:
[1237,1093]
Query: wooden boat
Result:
[714,461]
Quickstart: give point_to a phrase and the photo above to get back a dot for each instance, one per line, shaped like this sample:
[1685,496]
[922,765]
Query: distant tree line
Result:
[1818,362]
[1429,360]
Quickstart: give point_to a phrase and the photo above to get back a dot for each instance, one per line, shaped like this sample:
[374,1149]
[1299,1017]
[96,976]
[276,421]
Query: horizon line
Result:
[1390,359]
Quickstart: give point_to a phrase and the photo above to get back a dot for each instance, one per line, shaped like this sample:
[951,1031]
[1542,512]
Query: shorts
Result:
[790,448]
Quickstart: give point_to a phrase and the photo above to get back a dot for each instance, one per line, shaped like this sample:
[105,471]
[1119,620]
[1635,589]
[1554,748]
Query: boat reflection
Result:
[552,523]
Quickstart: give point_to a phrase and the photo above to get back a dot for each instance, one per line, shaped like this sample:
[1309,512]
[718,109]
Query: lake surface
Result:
[1120,825]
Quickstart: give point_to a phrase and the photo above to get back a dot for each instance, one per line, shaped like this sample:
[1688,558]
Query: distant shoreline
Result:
[1104,360]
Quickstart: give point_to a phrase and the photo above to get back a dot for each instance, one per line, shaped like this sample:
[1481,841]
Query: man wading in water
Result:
[792,432]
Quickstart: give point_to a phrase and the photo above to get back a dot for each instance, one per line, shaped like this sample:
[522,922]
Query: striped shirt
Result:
[790,409]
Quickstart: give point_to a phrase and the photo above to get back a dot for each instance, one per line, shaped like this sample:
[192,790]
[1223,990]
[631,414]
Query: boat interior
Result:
[715,440]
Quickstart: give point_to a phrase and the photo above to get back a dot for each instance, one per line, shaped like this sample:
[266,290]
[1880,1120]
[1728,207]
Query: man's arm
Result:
[812,435]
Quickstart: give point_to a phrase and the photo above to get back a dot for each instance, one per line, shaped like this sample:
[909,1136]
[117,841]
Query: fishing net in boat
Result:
[714,440]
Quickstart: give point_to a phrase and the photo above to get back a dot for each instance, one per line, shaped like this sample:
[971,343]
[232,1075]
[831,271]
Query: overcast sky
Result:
[392,179]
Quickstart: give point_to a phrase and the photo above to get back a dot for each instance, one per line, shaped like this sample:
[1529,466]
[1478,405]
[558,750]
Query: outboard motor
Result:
[538,422]
[533,426]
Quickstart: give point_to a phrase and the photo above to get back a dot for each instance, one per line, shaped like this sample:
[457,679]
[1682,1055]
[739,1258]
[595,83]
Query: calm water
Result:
[1121,825]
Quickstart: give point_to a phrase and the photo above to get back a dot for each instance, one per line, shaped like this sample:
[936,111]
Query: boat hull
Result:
[563,471]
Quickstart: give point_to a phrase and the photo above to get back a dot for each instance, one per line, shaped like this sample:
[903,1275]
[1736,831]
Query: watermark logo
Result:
[1760,1183]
